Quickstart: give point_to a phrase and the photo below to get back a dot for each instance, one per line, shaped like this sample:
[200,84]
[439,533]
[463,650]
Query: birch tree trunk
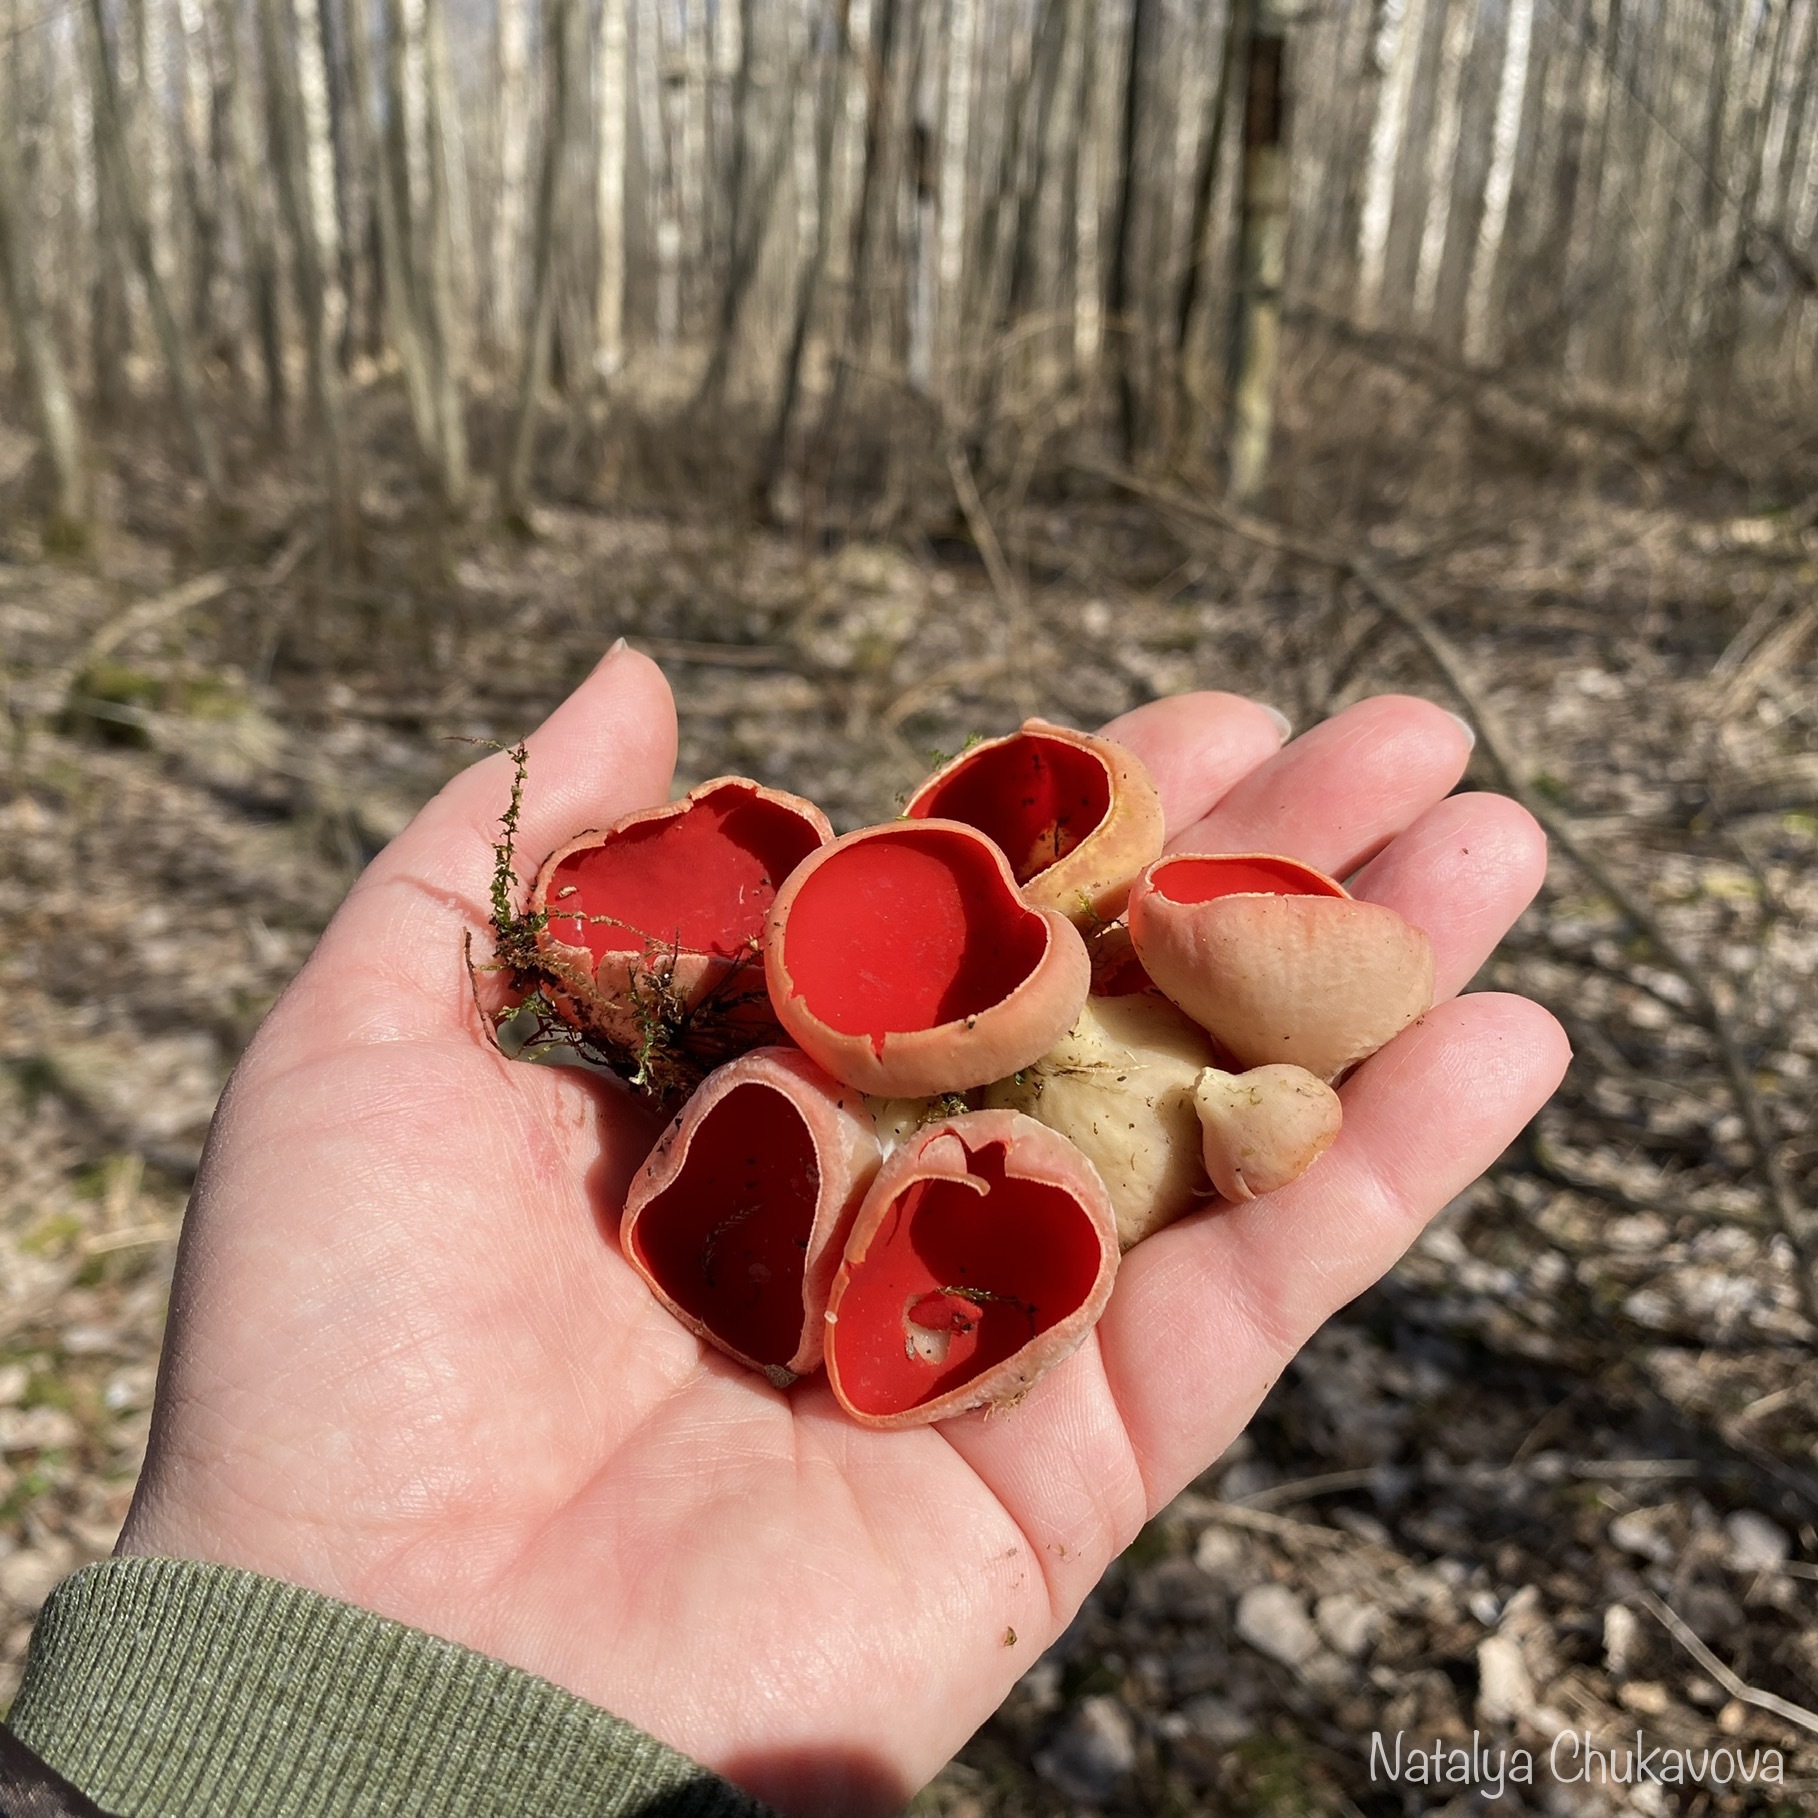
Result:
[956,128]
[1408,34]
[448,148]
[290,156]
[200,178]
[1658,161]
[35,344]
[694,101]
[748,202]
[609,198]
[504,291]
[1367,55]
[1088,309]
[440,434]
[1582,256]
[443,316]
[1793,119]
[1262,249]
[846,195]
[1123,300]
[1205,184]
[1442,157]
[75,153]
[668,220]
[883,115]
[1715,358]
[147,130]
[1010,282]
[562,56]
[373,152]
[1505,136]
[811,269]
[318,158]
[253,218]
[728,53]
[924,261]
[173,341]
[1792,111]
[112,316]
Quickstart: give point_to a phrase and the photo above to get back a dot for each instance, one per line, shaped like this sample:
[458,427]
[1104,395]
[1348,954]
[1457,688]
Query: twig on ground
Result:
[1498,748]
[134,1237]
[1302,1489]
[1018,630]
[1552,1162]
[142,615]
[1635,1470]
[728,656]
[1732,1682]
[1775,652]
[162,609]
[1284,1528]
[931,687]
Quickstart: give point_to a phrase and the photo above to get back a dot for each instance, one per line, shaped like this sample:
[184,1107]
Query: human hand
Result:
[408,1367]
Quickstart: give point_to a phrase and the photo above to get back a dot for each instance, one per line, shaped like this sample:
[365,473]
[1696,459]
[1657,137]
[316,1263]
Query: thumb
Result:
[391,965]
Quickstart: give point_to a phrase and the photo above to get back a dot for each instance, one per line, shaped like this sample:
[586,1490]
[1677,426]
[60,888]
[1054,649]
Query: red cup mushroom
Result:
[738,1218]
[903,959]
[1076,815]
[652,927]
[1278,961]
[982,1256]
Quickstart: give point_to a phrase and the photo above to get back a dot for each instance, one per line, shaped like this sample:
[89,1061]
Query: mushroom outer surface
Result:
[1077,815]
[903,959]
[1120,1085]
[982,1257]
[1285,967]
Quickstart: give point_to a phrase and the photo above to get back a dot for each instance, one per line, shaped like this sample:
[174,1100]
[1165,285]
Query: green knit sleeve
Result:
[168,1689]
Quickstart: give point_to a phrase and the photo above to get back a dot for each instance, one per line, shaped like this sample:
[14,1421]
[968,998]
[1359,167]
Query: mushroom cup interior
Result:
[1192,879]
[702,880]
[954,1282]
[1037,797]
[908,930]
[728,1238]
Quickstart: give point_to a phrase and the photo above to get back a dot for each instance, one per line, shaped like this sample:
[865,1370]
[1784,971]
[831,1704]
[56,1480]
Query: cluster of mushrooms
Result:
[936,1076]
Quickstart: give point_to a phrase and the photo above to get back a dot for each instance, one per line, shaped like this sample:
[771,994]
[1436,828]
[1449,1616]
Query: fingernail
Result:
[618,645]
[1283,724]
[1464,726]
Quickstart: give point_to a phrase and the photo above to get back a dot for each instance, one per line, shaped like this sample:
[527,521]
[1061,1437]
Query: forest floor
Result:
[1558,1472]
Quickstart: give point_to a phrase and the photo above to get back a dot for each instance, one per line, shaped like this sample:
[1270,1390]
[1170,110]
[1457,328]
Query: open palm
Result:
[408,1367]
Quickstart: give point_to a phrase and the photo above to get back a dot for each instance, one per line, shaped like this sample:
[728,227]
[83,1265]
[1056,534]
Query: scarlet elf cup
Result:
[930,1078]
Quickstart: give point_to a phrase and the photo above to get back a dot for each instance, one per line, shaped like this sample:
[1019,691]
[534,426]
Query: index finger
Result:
[1198,747]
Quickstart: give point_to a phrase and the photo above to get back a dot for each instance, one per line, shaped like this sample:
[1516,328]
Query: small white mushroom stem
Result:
[1265,1127]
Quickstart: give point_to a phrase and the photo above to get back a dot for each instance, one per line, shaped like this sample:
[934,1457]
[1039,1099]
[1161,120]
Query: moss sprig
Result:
[668,1045]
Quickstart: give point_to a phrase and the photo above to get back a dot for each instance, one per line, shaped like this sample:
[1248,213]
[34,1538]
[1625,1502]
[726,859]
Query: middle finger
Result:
[1336,796]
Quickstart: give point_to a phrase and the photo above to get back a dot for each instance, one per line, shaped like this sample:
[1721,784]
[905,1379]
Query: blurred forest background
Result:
[890,369]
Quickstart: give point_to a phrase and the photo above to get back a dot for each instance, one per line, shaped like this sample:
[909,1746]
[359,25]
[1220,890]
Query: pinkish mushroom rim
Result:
[1004,1384]
[1037,1010]
[1132,815]
[829,1112]
[575,964]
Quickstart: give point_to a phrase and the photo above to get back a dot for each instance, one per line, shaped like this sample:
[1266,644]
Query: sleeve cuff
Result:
[165,1688]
